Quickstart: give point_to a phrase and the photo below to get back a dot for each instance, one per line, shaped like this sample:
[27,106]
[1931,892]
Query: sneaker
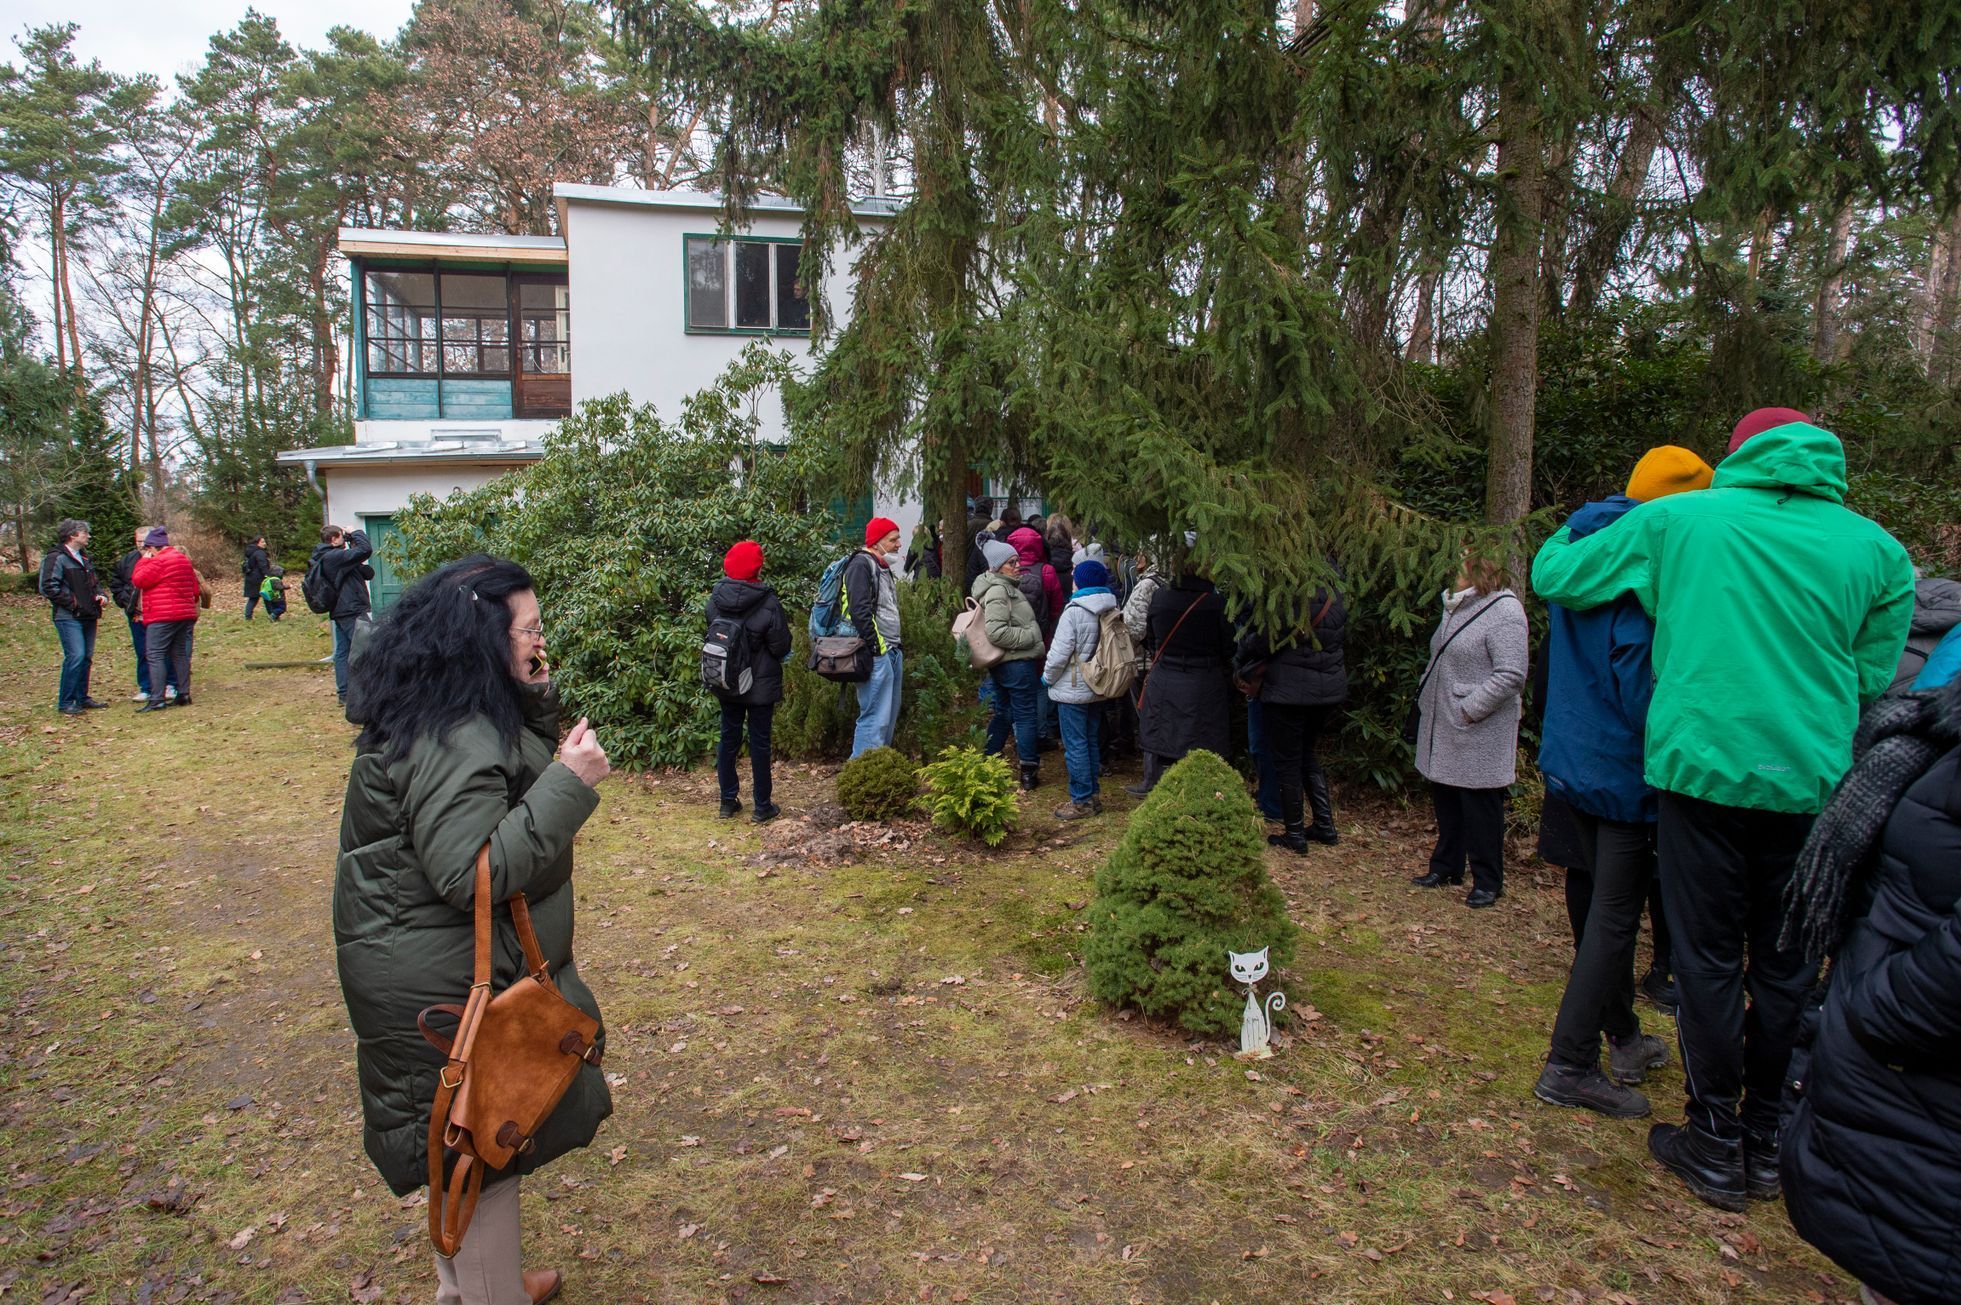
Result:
[730,807]
[1588,1089]
[1761,1181]
[764,813]
[139,696]
[1658,988]
[1710,1169]
[170,691]
[1075,811]
[1630,1061]
[1479,898]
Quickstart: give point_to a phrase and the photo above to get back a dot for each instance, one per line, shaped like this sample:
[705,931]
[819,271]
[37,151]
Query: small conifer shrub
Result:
[877,786]
[1187,884]
[971,793]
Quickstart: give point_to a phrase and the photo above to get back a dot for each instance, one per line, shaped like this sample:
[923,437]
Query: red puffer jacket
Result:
[169,585]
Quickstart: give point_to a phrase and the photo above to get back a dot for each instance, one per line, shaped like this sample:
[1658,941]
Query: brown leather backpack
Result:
[512,1059]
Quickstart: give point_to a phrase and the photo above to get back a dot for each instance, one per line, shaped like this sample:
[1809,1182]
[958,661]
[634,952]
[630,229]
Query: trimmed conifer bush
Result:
[971,793]
[1187,884]
[877,786]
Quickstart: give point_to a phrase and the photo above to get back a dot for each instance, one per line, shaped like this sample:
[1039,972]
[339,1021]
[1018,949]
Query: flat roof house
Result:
[467,348]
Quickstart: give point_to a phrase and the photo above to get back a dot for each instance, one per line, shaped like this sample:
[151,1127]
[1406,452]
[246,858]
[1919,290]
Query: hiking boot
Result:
[764,813]
[1630,1061]
[1479,898]
[730,807]
[1294,840]
[1075,811]
[1031,778]
[1761,1181]
[1586,1088]
[1658,988]
[1432,879]
[1713,1170]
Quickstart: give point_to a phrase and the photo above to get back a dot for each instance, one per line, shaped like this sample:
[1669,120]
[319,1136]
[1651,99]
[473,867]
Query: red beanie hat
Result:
[1763,419]
[744,561]
[878,528]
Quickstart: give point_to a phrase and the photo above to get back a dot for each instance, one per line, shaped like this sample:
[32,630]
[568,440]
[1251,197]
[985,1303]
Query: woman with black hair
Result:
[1871,1145]
[458,721]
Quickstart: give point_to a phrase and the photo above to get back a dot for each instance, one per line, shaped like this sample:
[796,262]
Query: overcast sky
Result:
[166,37]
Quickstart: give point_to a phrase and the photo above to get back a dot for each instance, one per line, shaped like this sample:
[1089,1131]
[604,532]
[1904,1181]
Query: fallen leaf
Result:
[241,1237]
[914,1178]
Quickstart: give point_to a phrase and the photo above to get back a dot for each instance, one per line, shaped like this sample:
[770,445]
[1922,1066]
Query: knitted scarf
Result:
[1898,740]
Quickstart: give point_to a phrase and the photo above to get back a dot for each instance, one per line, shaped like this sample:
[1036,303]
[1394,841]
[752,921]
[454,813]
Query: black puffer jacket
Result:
[404,931]
[347,570]
[756,606]
[1872,1145]
[1187,697]
[1301,674]
[257,566]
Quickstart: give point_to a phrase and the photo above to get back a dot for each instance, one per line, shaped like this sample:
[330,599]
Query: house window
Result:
[746,286]
[462,325]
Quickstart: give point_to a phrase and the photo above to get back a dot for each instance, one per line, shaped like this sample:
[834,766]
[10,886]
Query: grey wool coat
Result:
[1468,737]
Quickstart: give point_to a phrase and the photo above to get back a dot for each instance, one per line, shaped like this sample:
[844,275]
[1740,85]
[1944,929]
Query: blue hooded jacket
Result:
[1599,682]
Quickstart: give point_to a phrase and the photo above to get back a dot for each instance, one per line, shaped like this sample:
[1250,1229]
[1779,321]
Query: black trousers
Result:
[1723,874]
[1291,733]
[1618,872]
[734,716]
[1470,827]
[1579,899]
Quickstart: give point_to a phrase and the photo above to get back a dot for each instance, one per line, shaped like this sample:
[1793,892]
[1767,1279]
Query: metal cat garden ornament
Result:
[1255,1024]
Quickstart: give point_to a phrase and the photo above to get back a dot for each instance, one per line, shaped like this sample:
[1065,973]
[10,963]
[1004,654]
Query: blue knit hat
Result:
[1092,574]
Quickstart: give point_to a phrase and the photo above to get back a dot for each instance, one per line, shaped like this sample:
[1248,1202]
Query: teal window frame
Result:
[687,286]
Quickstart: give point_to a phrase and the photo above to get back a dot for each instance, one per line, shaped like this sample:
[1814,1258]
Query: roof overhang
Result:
[363,242]
[416,453]
[872,208]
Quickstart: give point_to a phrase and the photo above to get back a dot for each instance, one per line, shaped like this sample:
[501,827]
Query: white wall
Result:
[354,492]
[627,273]
[396,432]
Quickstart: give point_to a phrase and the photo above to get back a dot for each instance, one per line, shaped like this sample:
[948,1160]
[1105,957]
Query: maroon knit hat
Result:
[1761,420]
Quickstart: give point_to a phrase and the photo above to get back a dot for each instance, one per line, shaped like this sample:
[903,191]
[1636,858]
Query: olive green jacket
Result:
[1007,617]
[404,891]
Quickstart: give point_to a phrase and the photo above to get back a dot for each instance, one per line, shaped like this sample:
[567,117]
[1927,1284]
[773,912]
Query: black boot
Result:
[1031,778]
[1431,879]
[1760,1177]
[1294,840]
[1323,808]
[1708,1166]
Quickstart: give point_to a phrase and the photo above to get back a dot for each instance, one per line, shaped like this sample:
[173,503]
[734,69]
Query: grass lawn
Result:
[874,1078]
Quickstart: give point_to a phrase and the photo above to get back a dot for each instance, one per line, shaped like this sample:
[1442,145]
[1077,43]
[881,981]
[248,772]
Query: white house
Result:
[468,347]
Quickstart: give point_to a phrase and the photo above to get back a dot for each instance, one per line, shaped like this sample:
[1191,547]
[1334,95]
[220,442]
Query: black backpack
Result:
[725,669]
[314,587]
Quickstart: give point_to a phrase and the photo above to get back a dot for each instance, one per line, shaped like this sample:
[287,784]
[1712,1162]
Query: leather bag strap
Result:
[1143,688]
[451,1204]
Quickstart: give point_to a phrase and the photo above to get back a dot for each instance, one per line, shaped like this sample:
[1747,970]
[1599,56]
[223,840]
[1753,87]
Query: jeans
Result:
[1470,827]
[1739,990]
[168,646]
[343,644]
[77,656]
[137,642]
[1015,686]
[1599,997]
[758,719]
[1266,794]
[1082,750]
[1291,733]
[878,703]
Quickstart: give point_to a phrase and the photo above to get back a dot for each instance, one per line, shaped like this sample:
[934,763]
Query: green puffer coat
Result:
[404,933]
[1778,611]
[1008,617]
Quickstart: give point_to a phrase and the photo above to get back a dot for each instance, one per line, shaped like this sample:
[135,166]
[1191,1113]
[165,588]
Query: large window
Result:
[746,286]
[466,324]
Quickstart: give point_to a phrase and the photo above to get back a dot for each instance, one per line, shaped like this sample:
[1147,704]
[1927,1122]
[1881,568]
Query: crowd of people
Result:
[1750,723]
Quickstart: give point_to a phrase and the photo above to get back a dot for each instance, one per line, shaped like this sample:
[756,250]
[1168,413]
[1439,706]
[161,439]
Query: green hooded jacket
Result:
[404,932]
[1778,613]
[1008,617]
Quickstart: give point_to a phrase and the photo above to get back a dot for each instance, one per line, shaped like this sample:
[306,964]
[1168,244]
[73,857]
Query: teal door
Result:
[386,586]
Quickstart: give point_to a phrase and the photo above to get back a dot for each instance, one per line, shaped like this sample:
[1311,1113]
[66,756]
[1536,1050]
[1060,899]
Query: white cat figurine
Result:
[1255,1025]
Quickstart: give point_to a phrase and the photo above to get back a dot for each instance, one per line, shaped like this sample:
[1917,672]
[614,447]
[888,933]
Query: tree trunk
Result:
[1422,332]
[1824,310]
[1603,244]
[1944,339]
[1515,307]
[1555,217]
[55,224]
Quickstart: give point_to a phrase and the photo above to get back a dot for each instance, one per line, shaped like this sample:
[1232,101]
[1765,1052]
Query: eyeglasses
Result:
[535,631]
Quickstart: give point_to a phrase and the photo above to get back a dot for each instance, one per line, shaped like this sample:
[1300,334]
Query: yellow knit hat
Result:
[1667,469]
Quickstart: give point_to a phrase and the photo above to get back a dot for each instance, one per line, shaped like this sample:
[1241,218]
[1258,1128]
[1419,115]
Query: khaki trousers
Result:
[488,1268]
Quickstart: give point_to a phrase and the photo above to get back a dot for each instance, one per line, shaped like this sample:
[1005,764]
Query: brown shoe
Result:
[542,1284]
